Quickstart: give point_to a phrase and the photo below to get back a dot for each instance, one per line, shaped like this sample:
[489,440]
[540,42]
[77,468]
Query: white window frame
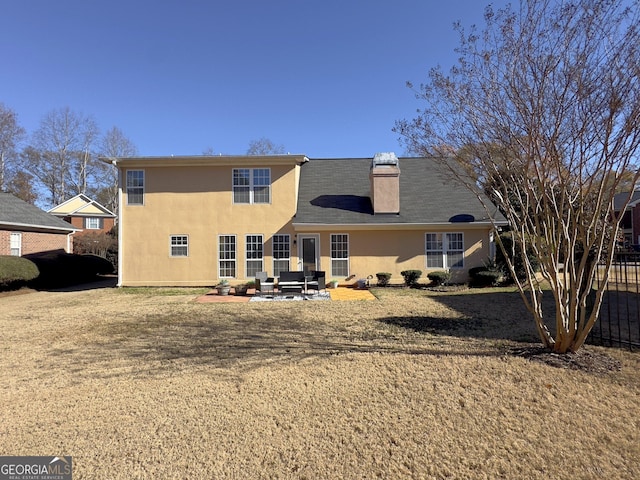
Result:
[281,253]
[342,259]
[444,254]
[230,257]
[254,254]
[15,244]
[253,187]
[133,185]
[92,223]
[176,245]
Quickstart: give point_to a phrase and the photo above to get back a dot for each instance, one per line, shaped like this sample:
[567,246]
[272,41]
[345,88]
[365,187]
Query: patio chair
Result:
[264,283]
[318,281]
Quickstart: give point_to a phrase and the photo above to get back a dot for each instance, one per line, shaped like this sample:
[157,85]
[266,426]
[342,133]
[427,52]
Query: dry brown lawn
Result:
[151,384]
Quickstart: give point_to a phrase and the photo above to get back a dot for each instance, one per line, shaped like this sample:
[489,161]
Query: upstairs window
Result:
[93,223]
[251,185]
[135,187]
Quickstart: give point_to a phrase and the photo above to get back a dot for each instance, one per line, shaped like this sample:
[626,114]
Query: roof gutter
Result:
[32,227]
[312,227]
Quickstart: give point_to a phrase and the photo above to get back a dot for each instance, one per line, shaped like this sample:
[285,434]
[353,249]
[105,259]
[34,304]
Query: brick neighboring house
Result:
[195,219]
[26,229]
[85,214]
[630,224]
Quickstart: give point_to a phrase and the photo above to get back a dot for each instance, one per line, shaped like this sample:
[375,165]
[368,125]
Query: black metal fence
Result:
[619,321]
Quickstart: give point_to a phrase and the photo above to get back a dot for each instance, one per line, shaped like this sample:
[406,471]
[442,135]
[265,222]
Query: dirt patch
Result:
[13,293]
[585,359]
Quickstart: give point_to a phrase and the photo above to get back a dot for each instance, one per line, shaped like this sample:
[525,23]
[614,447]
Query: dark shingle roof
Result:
[336,191]
[620,198]
[18,213]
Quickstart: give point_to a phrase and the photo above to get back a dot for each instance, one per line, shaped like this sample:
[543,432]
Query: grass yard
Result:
[416,385]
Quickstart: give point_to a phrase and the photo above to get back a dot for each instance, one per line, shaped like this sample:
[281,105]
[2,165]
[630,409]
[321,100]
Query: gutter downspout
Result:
[114,162]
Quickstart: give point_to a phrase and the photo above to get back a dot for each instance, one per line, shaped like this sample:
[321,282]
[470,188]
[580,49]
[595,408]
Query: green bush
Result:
[60,269]
[519,266]
[411,277]
[439,277]
[383,278]
[484,277]
[16,272]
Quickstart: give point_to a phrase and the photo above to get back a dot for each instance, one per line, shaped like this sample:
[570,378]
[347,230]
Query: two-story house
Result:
[193,220]
[85,214]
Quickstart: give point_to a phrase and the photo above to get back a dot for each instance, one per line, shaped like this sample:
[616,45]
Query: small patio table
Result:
[293,286]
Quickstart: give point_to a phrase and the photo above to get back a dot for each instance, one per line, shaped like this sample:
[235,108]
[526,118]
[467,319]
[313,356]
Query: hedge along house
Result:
[191,221]
[26,229]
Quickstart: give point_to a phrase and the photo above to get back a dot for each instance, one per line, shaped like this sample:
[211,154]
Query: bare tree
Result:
[264,146]
[114,144]
[61,155]
[556,86]
[10,134]
[21,185]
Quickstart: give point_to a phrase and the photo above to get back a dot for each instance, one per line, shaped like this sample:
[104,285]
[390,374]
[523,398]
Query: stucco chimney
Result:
[385,183]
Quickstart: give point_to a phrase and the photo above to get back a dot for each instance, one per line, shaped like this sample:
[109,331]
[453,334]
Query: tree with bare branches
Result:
[10,134]
[264,146]
[114,144]
[543,110]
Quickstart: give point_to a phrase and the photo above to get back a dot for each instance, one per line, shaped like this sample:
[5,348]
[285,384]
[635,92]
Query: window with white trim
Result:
[179,245]
[444,250]
[15,244]
[339,255]
[226,256]
[281,254]
[135,187]
[93,223]
[253,255]
[251,185]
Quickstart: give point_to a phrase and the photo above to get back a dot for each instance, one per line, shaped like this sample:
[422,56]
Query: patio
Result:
[336,294]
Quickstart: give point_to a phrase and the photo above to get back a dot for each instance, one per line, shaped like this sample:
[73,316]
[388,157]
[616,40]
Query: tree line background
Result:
[60,159]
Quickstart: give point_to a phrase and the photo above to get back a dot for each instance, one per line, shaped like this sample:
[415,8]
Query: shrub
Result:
[484,277]
[16,272]
[98,243]
[519,266]
[439,277]
[383,278]
[411,277]
[59,269]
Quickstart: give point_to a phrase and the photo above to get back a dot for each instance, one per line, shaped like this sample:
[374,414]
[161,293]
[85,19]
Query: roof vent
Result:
[384,160]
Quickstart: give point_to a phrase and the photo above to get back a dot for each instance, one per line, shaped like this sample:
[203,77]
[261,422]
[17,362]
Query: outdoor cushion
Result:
[291,277]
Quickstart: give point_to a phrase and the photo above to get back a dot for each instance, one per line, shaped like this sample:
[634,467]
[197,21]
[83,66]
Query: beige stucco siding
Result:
[197,202]
[393,251]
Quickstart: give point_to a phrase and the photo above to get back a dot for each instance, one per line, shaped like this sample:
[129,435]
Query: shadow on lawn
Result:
[242,337]
[491,315]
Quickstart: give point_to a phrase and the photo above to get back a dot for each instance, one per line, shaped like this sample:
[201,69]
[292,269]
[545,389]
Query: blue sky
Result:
[323,78]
